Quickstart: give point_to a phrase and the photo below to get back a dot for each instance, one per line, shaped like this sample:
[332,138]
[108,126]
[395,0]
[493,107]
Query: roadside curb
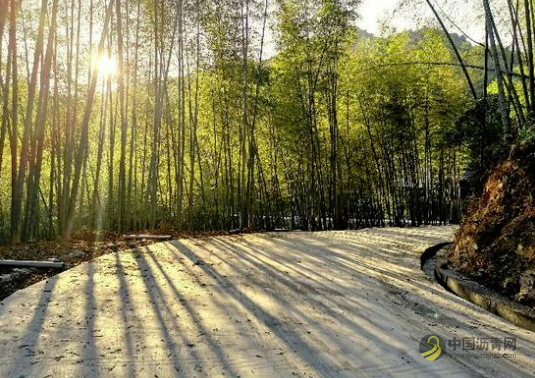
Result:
[431,252]
[520,315]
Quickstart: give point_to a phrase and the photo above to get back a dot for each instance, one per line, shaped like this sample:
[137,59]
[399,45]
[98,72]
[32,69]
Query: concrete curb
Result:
[431,252]
[520,315]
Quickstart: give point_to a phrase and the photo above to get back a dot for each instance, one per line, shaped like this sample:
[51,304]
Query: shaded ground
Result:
[341,304]
[84,247]
[72,252]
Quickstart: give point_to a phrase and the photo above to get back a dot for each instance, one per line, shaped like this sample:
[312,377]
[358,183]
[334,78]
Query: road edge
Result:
[520,315]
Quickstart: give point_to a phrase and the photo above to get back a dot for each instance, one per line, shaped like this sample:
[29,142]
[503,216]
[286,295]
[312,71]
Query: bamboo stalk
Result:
[32,264]
[148,237]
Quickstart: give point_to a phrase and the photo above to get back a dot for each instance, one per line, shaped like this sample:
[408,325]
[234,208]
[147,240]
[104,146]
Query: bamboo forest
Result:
[267,188]
[222,115]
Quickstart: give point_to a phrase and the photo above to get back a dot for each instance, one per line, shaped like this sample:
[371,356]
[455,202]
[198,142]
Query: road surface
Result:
[339,304]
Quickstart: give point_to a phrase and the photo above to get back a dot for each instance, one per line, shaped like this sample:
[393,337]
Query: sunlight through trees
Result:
[181,115]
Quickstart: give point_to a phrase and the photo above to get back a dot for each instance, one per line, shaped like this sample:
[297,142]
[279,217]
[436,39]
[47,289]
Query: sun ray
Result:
[105,65]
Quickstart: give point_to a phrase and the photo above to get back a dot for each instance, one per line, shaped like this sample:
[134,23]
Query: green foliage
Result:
[480,131]
[336,130]
[527,136]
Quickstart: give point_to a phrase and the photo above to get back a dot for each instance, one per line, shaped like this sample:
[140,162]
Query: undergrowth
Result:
[496,241]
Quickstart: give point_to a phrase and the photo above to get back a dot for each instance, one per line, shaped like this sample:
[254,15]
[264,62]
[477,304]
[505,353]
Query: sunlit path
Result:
[341,304]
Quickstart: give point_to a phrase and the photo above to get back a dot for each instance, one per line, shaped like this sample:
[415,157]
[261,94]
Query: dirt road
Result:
[341,304]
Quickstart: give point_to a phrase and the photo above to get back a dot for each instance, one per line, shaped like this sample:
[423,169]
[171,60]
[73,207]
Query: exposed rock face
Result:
[527,287]
[496,243]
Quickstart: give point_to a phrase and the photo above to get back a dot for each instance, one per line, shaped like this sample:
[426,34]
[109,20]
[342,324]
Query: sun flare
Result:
[105,65]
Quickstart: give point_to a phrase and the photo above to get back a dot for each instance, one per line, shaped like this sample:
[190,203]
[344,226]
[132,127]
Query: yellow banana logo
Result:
[434,353]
